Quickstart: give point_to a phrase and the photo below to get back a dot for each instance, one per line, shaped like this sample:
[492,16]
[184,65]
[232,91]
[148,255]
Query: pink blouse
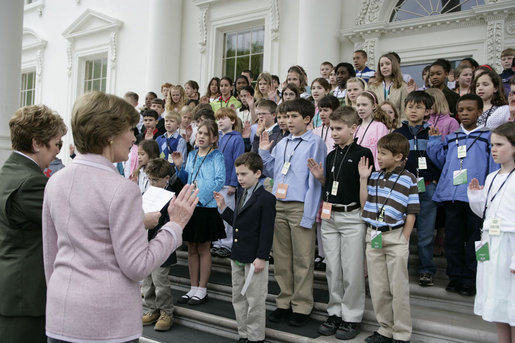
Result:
[369,135]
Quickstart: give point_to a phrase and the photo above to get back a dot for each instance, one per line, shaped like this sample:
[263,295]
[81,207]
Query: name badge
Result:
[459,177]
[422,163]
[421,184]
[376,239]
[495,227]
[286,167]
[326,210]
[282,189]
[170,159]
[334,189]
[462,151]
[482,252]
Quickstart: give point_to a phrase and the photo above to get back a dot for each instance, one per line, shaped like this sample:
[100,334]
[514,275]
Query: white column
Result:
[164,41]
[11,33]
[318,35]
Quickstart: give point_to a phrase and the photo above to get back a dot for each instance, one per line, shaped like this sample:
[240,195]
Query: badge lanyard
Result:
[201,162]
[225,145]
[364,133]
[497,192]
[386,90]
[468,148]
[291,155]
[419,156]
[389,193]
[335,177]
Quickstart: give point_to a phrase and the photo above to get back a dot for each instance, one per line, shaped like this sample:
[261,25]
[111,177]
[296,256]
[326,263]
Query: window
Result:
[28,88]
[95,76]
[243,50]
[422,8]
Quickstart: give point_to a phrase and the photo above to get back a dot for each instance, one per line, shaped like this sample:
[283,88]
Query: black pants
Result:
[462,229]
[22,329]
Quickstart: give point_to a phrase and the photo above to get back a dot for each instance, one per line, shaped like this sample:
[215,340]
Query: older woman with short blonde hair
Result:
[36,133]
[95,244]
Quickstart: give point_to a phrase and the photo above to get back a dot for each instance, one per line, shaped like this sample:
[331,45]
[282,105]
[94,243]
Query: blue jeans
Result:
[425,229]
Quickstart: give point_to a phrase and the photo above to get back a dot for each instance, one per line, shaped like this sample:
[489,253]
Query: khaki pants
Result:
[343,237]
[294,255]
[157,291]
[250,308]
[389,284]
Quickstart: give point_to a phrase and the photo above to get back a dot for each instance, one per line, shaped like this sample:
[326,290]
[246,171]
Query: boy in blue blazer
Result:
[253,223]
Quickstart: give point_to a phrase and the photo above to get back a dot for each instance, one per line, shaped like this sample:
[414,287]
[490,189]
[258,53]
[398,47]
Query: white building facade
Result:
[68,47]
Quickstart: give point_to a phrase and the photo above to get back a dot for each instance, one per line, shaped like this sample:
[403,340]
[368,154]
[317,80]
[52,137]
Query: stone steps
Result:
[438,316]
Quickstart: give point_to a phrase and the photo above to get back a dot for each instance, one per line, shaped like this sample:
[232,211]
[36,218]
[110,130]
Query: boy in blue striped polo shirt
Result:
[389,199]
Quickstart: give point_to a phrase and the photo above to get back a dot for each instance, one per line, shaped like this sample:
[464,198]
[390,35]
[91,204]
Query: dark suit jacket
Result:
[22,279]
[253,226]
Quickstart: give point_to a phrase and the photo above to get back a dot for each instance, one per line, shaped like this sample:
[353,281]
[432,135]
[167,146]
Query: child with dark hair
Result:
[438,74]
[150,131]
[298,196]
[253,221]
[343,72]
[226,99]
[417,106]
[488,85]
[389,199]
[156,289]
[462,156]
[147,150]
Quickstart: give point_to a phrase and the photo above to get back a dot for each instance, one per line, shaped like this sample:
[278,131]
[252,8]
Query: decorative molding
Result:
[35,6]
[31,40]
[274,15]
[39,64]
[112,49]
[369,11]
[510,26]
[69,57]
[203,28]
[494,42]
[370,48]
[90,22]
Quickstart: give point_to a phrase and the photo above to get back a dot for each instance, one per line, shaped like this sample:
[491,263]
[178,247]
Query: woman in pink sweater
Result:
[95,246]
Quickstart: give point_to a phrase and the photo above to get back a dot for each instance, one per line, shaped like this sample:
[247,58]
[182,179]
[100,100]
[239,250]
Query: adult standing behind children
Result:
[495,203]
[298,195]
[36,133]
[253,222]
[388,83]
[389,199]
[342,230]
[101,237]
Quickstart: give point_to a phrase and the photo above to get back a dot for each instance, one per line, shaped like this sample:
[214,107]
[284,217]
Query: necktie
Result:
[242,200]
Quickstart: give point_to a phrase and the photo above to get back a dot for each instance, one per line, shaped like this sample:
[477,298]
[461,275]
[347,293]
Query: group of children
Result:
[343,170]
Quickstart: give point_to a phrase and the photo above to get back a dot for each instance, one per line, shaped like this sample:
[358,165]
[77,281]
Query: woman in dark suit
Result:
[36,133]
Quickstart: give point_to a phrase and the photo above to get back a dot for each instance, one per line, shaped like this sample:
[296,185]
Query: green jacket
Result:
[231,103]
[22,278]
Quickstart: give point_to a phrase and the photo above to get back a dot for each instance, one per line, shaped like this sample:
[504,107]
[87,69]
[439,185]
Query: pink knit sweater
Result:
[95,251]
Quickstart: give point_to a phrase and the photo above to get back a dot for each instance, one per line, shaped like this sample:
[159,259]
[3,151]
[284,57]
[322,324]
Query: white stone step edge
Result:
[438,332]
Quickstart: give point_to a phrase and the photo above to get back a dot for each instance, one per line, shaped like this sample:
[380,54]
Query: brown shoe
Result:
[150,318]
[164,322]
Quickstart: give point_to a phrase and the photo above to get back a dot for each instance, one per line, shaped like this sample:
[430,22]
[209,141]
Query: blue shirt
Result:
[302,185]
[166,145]
[366,73]
[209,174]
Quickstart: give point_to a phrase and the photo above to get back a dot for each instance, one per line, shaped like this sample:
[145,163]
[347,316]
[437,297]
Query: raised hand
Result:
[316,169]
[364,168]
[181,207]
[220,201]
[433,131]
[474,185]
[265,143]
[246,130]
[177,159]
[260,126]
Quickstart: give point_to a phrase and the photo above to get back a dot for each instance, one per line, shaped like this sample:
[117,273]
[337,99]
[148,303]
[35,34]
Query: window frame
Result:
[34,86]
[82,80]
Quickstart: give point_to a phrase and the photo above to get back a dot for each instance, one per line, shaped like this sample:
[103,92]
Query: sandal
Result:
[196,300]
[183,299]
